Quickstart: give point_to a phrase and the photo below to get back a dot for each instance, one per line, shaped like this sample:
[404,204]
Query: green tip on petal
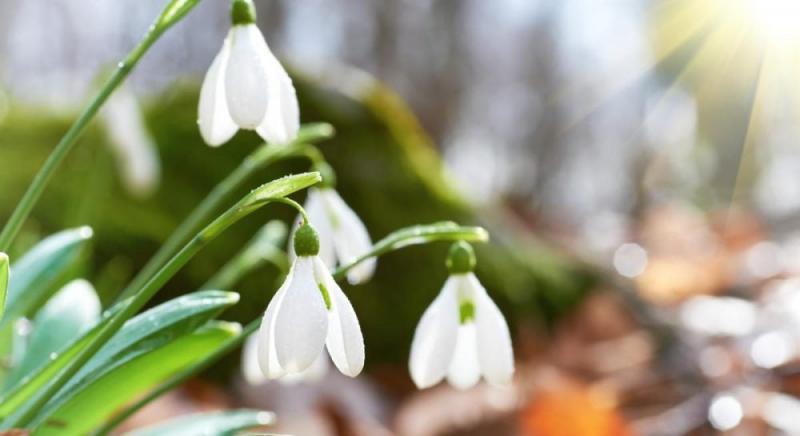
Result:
[243,12]
[466,312]
[461,258]
[306,241]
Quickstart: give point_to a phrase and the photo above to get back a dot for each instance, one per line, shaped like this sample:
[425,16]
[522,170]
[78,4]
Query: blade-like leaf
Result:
[164,322]
[73,310]
[89,404]
[43,270]
[3,282]
[212,423]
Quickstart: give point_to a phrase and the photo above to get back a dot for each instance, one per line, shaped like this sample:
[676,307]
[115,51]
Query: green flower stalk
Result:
[270,192]
[4,273]
[260,158]
[173,13]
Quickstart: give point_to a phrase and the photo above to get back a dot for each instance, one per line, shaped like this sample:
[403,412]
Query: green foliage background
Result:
[387,169]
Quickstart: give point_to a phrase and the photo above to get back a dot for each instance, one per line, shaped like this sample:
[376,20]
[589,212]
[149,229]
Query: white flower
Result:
[246,87]
[254,376]
[343,237]
[308,314]
[133,146]
[462,335]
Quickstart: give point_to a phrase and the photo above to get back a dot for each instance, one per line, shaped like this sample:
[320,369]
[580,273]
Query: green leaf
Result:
[213,423]
[73,310]
[174,11]
[3,282]
[87,405]
[42,271]
[166,321]
[419,234]
[280,188]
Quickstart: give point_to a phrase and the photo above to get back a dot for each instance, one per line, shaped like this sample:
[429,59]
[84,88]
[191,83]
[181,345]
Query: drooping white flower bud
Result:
[246,87]
[308,314]
[462,335]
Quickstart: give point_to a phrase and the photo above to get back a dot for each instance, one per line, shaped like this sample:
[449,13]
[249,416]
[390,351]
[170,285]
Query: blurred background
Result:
[636,162]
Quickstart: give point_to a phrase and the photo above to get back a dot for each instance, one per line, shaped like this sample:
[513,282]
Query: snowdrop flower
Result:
[133,146]
[308,314]
[246,87]
[343,237]
[462,335]
[251,370]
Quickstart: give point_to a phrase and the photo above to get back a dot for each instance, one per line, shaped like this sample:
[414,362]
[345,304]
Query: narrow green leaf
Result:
[265,247]
[213,423]
[95,400]
[419,234]
[72,311]
[174,11]
[164,322]
[43,270]
[280,188]
[3,282]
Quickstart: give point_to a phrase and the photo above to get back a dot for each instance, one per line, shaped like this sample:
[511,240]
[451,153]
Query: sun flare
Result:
[777,20]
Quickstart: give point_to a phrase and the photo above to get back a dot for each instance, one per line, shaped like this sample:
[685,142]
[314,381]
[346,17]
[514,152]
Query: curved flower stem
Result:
[414,235]
[253,201]
[174,11]
[401,238]
[262,157]
[263,248]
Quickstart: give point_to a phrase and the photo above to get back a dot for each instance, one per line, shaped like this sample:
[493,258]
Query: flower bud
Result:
[306,241]
[243,12]
[461,258]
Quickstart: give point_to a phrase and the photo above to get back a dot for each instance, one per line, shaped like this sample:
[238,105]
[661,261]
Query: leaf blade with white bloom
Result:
[174,317]
[74,309]
[42,271]
[95,401]
[4,273]
[213,423]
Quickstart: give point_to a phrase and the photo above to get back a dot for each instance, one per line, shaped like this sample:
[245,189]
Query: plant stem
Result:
[172,14]
[263,248]
[414,235]
[177,379]
[396,240]
[262,157]
[247,205]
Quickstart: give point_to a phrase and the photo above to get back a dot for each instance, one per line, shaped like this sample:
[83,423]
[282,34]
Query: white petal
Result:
[131,143]
[345,342]
[216,124]
[246,77]
[319,219]
[251,369]
[282,120]
[435,338]
[350,237]
[267,353]
[314,373]
[495,353]
[464,370]
[301,323]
